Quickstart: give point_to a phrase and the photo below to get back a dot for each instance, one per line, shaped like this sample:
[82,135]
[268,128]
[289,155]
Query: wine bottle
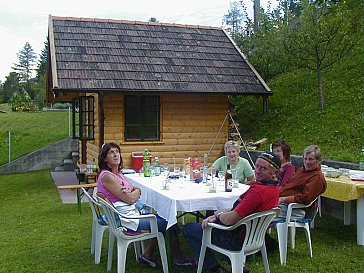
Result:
[228,179]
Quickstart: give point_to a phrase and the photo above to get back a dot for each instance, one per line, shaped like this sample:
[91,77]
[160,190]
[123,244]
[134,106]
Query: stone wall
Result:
[46,158]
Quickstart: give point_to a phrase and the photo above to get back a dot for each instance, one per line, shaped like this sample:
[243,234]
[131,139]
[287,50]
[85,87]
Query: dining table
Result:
[183,195]
[343,188]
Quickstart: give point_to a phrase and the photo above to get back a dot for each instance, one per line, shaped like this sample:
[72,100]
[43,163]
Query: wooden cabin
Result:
[158,86]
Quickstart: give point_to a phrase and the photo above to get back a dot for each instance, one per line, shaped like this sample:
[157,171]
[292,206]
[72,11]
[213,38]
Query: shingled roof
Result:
[94,55]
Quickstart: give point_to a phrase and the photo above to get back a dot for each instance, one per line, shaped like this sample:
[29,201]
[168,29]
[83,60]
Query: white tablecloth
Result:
[190,197]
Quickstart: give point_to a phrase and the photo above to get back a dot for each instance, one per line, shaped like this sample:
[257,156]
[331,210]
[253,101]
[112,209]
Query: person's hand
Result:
[209,219]
[125,190]
[281,200]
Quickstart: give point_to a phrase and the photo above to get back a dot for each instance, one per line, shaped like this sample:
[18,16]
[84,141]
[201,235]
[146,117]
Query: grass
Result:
[295,115]
[30,131]
[40,234]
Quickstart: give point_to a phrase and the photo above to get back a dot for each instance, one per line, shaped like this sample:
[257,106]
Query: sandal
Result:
[150,262]
[186,261]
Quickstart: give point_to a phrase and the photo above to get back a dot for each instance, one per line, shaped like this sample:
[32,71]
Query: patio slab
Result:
[66,178]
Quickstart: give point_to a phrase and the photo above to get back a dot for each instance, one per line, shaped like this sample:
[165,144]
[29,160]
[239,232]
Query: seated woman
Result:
[240,167]
[114,185]
[283,150]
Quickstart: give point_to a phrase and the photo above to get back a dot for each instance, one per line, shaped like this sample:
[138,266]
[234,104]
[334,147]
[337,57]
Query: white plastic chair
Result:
[256,226]
[99,225]
[282,228]
[123,239]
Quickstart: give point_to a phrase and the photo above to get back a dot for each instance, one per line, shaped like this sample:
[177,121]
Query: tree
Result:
[42,62]
[321,36]
[234,19]
[21,101]
[10,86]
[39,89]
[27,60]
[153,19]
[1,92]
[263,46]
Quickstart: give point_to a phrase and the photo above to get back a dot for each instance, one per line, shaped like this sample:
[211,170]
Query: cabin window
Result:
[142,118]
[83,118]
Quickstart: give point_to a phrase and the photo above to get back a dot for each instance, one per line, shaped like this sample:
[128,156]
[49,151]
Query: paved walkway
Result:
[66,178]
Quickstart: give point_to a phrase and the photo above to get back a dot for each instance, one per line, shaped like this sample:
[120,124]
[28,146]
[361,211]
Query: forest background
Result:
[310,53]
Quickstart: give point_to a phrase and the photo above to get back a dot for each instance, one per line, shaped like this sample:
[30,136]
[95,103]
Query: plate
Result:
[357,177]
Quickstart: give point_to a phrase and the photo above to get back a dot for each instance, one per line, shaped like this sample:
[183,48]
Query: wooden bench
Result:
[78,187]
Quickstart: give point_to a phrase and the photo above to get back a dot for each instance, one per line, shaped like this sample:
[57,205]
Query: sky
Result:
[24,21]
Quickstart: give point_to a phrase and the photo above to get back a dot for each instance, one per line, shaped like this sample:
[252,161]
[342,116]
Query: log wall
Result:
[189,126]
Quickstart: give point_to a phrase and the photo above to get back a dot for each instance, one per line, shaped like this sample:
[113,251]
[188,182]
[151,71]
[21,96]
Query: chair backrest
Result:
[311,212]
[256,226]
[95,208]
[113,218]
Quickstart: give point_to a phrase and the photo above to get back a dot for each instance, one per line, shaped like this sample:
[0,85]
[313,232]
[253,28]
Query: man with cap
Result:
[262,195]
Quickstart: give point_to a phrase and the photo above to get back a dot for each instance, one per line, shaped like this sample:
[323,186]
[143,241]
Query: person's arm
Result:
[220,164]
[127,195]
[313,188]
[245,170]
[228,218]
[288,173]
[250,180]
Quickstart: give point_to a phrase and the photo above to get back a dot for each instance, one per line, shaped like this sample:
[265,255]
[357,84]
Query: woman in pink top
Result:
[114,185]
[283,150]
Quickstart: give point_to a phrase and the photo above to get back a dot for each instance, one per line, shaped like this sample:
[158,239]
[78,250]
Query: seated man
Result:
[262,195]
[307,184]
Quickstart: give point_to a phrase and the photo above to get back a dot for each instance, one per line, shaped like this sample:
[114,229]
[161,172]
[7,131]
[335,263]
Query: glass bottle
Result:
[361,162]
[228,179]
[157,168]
[146,163]
[94,166]
[204,169]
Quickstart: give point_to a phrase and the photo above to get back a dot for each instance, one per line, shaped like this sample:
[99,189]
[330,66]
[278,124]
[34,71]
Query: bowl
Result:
[333,173]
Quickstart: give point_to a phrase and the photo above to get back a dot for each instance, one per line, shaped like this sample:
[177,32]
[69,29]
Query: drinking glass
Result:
[166,168]
[182,174]
[181,179]
[221,175]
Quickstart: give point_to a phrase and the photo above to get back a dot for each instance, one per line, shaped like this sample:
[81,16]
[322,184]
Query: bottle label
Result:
[228,185]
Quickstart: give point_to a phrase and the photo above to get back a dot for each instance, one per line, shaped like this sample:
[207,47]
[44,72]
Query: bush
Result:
[21,102]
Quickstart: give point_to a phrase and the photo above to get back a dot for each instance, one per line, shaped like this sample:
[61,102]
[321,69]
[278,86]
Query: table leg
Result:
[347,212]
[168,248]
[360,220]
[79,201]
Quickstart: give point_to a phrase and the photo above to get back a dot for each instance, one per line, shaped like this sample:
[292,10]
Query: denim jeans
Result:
[296,213]
[192,233]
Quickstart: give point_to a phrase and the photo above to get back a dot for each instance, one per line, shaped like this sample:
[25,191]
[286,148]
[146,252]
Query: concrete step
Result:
[58,169]
[75,157]
[67,161]
[68,164]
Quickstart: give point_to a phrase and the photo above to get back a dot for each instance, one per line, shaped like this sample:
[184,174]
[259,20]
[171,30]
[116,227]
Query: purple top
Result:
[286,172]
[100,187]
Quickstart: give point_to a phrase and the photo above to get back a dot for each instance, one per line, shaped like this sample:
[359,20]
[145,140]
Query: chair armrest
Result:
[141,216]
[242,221]
[152,219]
[292,206]
[297,206]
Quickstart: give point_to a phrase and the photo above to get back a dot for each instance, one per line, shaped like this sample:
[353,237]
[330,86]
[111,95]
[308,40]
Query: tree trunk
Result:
[256,13]
[320,87]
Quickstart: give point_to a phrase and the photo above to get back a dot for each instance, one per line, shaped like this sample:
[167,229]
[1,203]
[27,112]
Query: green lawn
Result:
[40,234]
[30,132]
